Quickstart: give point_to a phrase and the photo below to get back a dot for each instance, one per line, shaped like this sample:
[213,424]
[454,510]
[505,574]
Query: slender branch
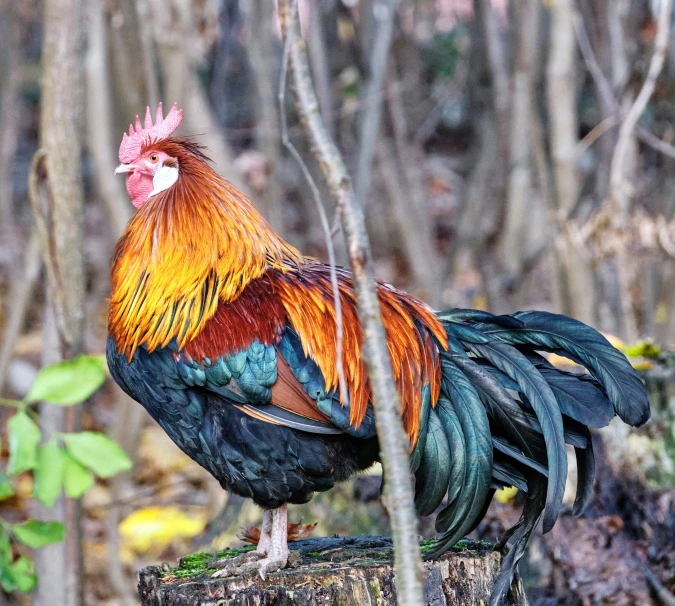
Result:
[322,216]
[99,131]
[662,594]
[265,73]
[18,303]
[316,45]
[384,12]
[654,142]
[617,190]
[10,108]
[605,90]
[386,400]
[596,132]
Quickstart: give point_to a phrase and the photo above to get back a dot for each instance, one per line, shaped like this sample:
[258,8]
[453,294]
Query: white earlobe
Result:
[164,178]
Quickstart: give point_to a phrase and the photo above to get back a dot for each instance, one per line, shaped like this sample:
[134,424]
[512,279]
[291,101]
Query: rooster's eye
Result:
[154,158]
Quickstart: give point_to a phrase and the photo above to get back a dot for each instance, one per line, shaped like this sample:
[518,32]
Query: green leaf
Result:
[97,452]
[19,576]
[23,571]
[7,580]
[68,382]
[6,489]
[48,473]
[5,549]
[24,438]
[76,479]
[36,534]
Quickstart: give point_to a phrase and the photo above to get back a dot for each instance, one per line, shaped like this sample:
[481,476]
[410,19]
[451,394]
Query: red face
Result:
[141,174]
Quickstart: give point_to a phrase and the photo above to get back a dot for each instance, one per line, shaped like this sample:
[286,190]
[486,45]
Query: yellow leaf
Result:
[153,528]
[480,302]
[560,361]
[641,364]
[506,495]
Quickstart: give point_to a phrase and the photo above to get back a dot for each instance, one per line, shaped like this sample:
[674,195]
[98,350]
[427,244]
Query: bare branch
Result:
[316,45]
[617,190]
[260,22]
[605,90]
[10,104]
[328,233]
[386,400]
[384,12]
[99,131]
[18,302]
[654,142]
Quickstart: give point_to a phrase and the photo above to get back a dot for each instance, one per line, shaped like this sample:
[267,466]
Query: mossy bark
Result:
[330,571]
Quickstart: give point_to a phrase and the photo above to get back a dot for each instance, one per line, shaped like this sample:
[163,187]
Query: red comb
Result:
[131,145]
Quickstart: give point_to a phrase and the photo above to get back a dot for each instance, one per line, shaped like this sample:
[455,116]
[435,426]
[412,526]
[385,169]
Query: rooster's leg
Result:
[265,533]
[271,554]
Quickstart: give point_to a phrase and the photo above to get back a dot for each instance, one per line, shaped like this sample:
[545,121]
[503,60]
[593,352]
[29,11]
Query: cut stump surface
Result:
[329,572]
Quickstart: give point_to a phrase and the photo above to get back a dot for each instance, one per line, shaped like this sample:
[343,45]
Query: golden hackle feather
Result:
[201,243]
[185,250]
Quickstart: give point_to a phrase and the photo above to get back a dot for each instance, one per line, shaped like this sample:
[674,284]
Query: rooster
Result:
[227,335]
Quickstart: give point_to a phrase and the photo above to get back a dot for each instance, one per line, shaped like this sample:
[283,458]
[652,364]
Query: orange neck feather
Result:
[198,243]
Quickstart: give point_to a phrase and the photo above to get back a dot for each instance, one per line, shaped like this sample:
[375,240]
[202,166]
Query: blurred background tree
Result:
[508,155]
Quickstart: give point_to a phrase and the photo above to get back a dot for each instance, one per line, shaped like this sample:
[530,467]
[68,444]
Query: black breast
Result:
[272,464]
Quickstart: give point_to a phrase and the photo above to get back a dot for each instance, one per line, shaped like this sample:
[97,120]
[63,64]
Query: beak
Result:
[125,168]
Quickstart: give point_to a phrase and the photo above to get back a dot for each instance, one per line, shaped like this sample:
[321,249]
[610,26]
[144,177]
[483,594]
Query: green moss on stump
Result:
[372,551]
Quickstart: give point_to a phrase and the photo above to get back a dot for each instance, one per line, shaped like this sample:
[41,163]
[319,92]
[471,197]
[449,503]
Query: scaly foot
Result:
[271,554]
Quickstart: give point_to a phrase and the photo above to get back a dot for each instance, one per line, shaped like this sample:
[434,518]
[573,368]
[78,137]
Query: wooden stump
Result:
[329,572]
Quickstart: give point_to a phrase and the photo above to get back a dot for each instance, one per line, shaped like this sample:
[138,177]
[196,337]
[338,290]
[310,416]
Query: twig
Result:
[99,131]
[596,132]
[267,124]
[18,302]
[591,62]
[316,45]
[617,190]
[653,141]
[42,204]
[662,594]
[328,233]
[10,107]
[421,244]
[384,12]
[386,400]
[605,90]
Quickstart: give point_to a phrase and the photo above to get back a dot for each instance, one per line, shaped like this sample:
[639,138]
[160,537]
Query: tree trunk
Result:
[265,72]
[345,571]
[57,198]
[519,193]
[573,283]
